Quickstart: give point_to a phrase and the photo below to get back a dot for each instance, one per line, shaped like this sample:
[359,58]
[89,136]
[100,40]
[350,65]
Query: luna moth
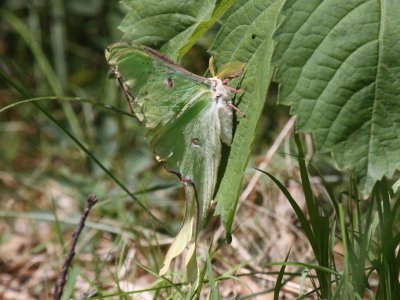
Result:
[187,118]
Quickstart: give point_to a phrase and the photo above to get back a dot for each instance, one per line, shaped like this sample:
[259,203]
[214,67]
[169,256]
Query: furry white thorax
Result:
[218,89]
[221,110]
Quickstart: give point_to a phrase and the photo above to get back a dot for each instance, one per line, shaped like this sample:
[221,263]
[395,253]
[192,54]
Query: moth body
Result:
[219,90]
[221,96]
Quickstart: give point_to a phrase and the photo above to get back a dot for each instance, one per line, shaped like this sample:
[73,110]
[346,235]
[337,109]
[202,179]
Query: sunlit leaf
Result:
[339,69]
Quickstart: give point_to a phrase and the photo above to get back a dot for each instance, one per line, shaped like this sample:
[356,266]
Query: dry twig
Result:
[58,290]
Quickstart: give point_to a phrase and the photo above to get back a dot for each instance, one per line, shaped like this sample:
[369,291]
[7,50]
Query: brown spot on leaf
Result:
[169,83]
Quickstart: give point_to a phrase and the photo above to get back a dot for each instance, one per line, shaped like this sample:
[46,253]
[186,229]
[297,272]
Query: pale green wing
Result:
[178,109]
[191,145]
[158,87]
[187,117]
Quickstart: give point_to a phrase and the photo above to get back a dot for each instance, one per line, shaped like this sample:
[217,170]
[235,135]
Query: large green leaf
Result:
[339,69]
[246,36]
[173,26]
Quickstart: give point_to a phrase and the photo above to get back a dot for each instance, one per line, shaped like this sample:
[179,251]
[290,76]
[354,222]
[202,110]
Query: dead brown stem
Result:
[58,290]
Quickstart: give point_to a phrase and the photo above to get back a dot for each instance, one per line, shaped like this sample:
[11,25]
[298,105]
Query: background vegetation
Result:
[74,139]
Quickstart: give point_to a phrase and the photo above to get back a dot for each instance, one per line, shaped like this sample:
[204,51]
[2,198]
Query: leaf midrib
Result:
[378,71]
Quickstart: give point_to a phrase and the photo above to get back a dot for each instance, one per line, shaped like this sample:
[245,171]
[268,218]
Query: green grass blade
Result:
[175,286]
[69,286]
[389,272]
[319,224]
[37,52]
[57,38]
[305,182]
[45,66]
[301,265]
[65,98]
[279,279]
[211,279]
[297,209]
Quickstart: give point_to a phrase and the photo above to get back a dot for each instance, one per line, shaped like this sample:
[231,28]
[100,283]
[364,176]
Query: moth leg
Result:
[229,78]
[233,90]
[236,109]
[180,177]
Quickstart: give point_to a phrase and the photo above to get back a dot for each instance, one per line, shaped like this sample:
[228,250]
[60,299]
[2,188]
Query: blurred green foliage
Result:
[57,48]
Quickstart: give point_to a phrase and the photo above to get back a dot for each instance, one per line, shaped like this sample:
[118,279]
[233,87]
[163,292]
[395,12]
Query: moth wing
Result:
[191,145]
[177,107]
[159,88]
